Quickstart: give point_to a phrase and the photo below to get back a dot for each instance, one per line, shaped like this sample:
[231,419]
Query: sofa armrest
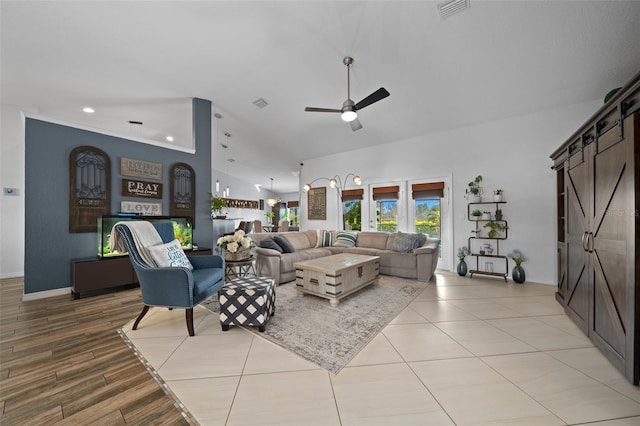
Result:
[427,259]
[268,263]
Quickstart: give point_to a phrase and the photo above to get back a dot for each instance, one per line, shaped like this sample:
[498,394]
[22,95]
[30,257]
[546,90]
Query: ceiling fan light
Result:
[348,115]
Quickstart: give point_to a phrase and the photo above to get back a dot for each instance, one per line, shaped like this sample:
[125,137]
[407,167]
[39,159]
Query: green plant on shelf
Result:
[476,214]
[495,228]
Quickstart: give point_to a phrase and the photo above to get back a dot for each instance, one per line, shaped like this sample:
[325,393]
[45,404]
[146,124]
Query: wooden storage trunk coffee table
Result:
[337,276]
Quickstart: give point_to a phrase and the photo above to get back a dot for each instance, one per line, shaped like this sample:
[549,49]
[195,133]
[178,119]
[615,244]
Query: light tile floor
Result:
[464,352]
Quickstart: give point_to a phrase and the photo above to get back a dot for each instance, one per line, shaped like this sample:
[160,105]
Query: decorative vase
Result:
[462,268]
[518,274]
[476,199]
[486,216]
[497,198]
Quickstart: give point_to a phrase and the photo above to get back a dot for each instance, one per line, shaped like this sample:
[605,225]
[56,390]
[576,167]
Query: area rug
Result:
[331,336]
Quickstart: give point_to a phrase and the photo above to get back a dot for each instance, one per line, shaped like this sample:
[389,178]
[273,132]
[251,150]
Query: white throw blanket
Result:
[144,235]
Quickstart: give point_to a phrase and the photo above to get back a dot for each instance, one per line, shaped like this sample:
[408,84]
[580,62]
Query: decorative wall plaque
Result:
[182,186]
[140,168]
[89,188]
[141,188]
[146,209]
[317,203]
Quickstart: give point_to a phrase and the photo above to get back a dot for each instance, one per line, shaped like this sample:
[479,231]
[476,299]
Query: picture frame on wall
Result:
[317,203]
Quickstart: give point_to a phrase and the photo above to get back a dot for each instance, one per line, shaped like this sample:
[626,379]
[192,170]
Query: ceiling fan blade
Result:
[355,124]
[312,109]
[379,94]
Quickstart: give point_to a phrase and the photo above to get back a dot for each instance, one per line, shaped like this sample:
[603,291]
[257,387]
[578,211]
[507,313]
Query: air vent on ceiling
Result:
[260,103]
[452,7]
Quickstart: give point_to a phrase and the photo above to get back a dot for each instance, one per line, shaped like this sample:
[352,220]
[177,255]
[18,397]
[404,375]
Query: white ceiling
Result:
[143,61]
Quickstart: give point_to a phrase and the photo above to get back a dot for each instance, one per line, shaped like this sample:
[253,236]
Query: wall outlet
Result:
[10,191]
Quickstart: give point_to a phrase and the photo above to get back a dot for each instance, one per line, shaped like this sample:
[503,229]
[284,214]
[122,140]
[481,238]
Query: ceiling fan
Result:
[349,108]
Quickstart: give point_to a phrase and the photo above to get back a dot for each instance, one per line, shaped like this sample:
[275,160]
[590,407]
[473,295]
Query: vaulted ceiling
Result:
[143,61]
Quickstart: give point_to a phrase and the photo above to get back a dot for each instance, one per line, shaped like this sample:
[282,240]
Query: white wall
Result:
[11,207]
[512,154]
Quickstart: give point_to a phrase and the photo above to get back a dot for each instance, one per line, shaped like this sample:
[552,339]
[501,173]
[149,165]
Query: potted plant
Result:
[270,215]
[517,274]
[476,214]
[497,195]
[486,215]
[495,228]
[474,190]
[217,204]
[498,214]
[462,265]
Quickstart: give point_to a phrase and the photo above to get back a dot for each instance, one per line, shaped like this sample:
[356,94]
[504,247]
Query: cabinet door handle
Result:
[590,242]
[585,236]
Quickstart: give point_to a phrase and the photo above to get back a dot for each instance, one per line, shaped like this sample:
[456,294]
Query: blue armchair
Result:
[173,287]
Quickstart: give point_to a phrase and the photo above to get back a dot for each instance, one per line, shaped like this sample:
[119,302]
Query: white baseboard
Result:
[12,275]
[46,293]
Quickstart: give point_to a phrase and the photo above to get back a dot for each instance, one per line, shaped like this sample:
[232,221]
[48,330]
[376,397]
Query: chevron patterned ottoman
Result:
[247,301]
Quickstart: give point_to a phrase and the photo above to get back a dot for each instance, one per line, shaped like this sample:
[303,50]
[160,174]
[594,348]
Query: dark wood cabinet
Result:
[598,175]
[90,274]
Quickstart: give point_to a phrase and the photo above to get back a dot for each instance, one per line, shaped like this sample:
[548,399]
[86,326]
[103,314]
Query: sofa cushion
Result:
[170,255]
[284,243]
[367,251]
[405,243]
[345,239]
[270,244]
[298,240]
[373,240]
[325,238]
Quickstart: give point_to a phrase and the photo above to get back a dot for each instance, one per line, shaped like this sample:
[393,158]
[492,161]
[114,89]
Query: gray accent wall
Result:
[49,247]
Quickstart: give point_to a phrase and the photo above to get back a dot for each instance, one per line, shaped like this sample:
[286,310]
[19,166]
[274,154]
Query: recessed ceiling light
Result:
[170,138]
[88,110]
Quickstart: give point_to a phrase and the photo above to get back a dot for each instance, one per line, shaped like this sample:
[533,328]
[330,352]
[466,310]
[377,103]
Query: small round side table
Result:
[239,268]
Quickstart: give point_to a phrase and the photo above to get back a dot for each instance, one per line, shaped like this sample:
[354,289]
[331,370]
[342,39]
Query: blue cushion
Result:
[205,280]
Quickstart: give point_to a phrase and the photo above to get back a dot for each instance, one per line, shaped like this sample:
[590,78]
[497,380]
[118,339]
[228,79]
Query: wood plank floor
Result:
[63,362]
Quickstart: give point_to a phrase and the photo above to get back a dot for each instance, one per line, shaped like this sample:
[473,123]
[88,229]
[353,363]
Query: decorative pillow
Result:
[284,243]
[422,239]
[345,239]
[405,243]
[325,239]
[270,244]
[170,255]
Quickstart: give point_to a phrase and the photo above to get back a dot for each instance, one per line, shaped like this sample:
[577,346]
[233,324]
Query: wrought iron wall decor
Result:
[89,188]
[182,187]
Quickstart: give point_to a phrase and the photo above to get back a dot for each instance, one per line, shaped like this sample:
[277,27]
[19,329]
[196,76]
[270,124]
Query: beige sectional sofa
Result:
[419,264]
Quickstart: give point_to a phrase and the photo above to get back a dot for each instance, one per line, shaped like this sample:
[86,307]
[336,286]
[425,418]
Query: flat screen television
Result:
[182,228]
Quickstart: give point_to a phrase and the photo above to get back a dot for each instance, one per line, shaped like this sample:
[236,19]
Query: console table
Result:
[91,273]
